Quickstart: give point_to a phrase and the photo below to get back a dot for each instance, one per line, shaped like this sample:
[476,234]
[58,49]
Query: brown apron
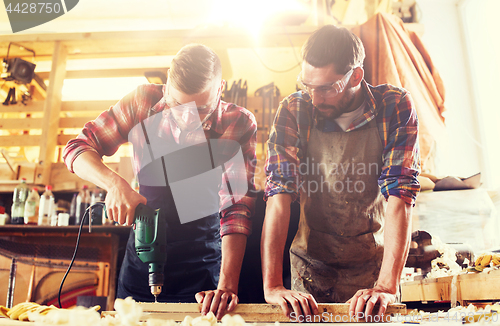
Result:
[339,245]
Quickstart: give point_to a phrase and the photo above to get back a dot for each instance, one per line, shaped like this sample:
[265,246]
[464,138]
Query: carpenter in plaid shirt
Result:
[350,152]
[204,256]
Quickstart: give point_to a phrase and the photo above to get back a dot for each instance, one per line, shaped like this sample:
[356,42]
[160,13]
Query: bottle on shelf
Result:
[82,203]
[72,210]
[47,206]
[4,217]
[18,202]
[32,207]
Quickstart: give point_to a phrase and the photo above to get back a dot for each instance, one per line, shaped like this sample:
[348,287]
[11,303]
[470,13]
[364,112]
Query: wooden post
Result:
[51,112]
[318,13]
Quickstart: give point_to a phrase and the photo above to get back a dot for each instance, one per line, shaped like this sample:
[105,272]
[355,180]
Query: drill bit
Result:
[156,290]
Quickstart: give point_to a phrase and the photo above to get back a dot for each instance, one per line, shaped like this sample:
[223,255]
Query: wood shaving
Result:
[129,313]
[446,264]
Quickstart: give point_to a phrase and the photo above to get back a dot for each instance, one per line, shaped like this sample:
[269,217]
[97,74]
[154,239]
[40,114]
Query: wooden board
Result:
[470,287]
[255,312]
[10,322]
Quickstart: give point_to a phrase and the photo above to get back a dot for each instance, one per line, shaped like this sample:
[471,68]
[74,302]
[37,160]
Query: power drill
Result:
[151,244]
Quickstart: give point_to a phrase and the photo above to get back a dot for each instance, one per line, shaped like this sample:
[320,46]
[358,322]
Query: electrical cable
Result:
[271,69]
[22,47]
[294,54]
[86,214]
[292,46]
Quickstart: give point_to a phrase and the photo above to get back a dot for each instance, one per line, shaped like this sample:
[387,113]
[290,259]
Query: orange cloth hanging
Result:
[397,56]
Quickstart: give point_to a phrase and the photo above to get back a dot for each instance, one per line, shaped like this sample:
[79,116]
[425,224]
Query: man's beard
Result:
[334,111]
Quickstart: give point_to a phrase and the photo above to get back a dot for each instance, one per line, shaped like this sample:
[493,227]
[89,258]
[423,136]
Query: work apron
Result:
[193,250]
[338,247]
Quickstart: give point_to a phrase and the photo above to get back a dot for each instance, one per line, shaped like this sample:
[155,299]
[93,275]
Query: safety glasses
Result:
[202,109]
[326,90]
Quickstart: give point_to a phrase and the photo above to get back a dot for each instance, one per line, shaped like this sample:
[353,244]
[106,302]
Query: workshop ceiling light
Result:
[252,15]
[19,70]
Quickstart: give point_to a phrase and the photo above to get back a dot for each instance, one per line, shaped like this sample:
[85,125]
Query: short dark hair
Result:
[193,67]
[332,44]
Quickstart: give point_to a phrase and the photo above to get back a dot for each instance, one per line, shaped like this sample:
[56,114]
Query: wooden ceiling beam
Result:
[166,42]
[104,73]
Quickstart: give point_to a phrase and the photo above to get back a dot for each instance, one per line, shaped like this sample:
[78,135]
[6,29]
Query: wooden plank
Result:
[62,140]
[31,140]
[7,186]
[20,140]
[166,42]
[254,104]
[63,180]
[23,124]
[33,106]
[163,42]
[106,73]
[27,170]
[38,123]
[80,106]
[427,290]
[51,111]
[74,122]
[480,286]
[39,88]
[10,162]
[253,312]
[10,322]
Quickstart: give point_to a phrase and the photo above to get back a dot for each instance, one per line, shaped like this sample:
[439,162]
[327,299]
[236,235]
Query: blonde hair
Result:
[193,67]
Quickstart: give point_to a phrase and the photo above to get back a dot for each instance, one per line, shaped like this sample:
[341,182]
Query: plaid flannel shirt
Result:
[397,123]
[111,129]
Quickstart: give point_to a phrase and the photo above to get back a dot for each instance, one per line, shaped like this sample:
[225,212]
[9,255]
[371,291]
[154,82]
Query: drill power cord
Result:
[86,214]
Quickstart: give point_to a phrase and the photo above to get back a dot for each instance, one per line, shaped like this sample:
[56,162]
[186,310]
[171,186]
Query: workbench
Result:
[261,314]
[42,255]
[8,322]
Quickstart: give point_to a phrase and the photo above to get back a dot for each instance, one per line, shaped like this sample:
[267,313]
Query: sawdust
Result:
[129,313]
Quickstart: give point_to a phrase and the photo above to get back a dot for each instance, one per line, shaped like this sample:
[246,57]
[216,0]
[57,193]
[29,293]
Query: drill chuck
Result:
[156,283]
[156,279]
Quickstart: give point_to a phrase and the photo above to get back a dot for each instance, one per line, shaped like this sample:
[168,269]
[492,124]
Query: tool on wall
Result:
[11,97]
[268,93]
[237,94]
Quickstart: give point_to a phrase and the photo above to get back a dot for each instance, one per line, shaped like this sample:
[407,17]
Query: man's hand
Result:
[302,303]
[217,301]
[367,298]
[121,201]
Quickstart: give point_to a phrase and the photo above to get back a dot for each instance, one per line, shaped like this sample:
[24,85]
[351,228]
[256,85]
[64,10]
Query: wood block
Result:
[479,286]
[470,287]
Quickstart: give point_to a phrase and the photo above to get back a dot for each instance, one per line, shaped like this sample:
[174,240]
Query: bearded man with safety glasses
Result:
[186,115]
[349,151]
